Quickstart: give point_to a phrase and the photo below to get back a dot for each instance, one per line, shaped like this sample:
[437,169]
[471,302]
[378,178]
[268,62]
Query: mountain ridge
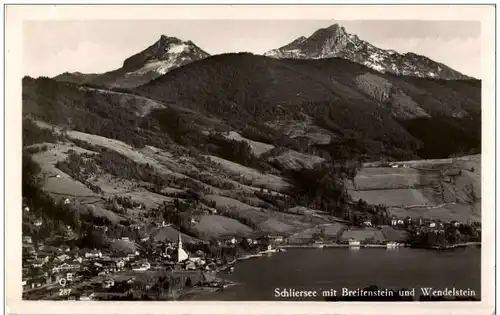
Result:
[335,41]
[157,59]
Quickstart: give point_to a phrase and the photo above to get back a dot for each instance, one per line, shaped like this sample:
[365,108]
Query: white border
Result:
[16,14]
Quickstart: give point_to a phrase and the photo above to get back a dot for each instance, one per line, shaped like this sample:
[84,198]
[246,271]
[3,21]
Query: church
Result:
[181,253]
[183,260]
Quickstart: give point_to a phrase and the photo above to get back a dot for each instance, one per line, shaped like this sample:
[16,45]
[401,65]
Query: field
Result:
[258,179]
[295,160]
[364,234]
[393,197]
[217,226]
[442,189]
[258,148]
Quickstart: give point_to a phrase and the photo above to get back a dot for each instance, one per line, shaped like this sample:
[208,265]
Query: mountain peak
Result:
[171,49]
[163,55]
[334,41]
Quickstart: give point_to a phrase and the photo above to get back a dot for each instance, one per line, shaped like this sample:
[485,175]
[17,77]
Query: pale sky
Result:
[53,47]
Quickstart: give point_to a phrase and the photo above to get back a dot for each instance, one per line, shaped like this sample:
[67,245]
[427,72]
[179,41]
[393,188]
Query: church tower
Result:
[181,253]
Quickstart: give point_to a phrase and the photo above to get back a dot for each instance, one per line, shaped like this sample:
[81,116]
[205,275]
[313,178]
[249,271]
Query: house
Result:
[120,264]
[276,239]
[432,225]
[400,222]
[367,223]
[67,267]
[394,222]
[131,280]
[231,241]
[101,227]
[143,267]
[93,254]
[38,263]
[197,260]
[89,297]
[27,239]
[125,239]
[391,244]
[26,209]
[455,223]
[38,222]
[62,257]
[108,283]
[130,256]
[211,266]
[200,253]
[190,265]
[67,201]
[353,242]
[44,257]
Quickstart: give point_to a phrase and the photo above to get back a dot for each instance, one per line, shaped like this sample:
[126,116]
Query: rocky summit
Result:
[335,41]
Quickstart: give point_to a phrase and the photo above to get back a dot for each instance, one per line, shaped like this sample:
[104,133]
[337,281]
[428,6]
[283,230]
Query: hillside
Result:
[444,189]
[383,115]
[234,144]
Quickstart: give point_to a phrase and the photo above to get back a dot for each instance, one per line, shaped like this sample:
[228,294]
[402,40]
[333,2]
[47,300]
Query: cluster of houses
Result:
[421,223]
[410,222]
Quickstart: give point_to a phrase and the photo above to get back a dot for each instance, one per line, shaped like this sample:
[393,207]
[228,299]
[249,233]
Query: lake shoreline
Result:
[246,287]
[335,245]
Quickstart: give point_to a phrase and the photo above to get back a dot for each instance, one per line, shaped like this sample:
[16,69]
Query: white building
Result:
[93,254]
[144,266]
[120,264]
[232,241]
[108,283]
[353,242]
[87,297]
[181,253]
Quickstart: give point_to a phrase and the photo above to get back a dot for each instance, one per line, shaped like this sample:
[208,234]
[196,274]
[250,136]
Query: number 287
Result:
[64,292]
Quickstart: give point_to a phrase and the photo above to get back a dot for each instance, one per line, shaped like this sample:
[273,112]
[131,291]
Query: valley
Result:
[239,155]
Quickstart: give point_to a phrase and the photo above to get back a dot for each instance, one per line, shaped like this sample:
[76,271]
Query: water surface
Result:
[336,268]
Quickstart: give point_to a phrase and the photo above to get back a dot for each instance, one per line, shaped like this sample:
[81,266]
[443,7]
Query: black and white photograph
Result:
[320,159]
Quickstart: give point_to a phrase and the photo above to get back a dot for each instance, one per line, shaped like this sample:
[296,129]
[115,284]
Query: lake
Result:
[310,269]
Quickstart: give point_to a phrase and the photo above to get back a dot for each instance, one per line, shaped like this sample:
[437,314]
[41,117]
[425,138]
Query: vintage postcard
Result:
[250,159]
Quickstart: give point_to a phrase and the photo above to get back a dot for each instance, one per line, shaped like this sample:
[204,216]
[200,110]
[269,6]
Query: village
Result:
[54,269]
